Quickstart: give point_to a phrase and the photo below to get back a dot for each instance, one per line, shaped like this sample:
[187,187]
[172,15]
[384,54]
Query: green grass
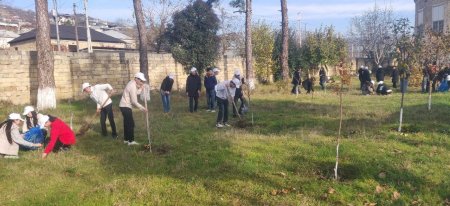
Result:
[291,146]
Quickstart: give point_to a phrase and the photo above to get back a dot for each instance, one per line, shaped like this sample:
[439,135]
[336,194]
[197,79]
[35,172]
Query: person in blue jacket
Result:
[210,83]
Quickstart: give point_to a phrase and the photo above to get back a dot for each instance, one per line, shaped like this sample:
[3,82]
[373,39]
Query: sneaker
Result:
[208,110]
[227,125]
[218,125]
[125,142]
[11,156]
[213,110]
[133,143]
[115,136]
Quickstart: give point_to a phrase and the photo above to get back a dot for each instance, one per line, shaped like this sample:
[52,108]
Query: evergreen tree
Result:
[193,35]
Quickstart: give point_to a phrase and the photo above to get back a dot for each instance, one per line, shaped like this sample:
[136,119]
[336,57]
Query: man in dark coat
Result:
[308,85]
[296,80]
[360,75]
[193,89]
[322,78]
[383,89]
[394,76]
[380,74]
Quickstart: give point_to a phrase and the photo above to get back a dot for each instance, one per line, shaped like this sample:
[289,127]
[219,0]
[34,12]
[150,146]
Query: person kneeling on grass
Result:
[61,136]
[383,89]
[31,129]
[10,137]
[225,92]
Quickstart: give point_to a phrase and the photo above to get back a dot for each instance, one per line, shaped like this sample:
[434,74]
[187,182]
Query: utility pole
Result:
[299,29]
[88,31]
[76,25]
[55,15]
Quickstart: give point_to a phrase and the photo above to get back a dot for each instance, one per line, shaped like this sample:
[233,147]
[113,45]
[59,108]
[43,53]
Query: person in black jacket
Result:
[166,88]
[360,76]
[322,78]
[193,89]
[238,95]
[296,80]
[380,74]
[308,84]
[210,83]
[394,76]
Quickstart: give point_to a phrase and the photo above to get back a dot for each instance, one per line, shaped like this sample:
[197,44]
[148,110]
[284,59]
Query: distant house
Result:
[5,37]
[432,14]
[100,41]
[131,42]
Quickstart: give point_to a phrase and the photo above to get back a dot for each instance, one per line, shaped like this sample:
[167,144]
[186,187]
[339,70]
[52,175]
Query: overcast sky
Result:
[309,14]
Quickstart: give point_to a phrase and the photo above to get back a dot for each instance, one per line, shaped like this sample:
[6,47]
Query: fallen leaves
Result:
[283,191]
[395,195]
[379,189]
[370,204]
[331,190]
[382,175]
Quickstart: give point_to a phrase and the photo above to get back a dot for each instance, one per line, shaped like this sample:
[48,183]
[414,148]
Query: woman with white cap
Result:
[99,94]
[225,92]
[129,98]
[61,136]
[10,137]
[32,132]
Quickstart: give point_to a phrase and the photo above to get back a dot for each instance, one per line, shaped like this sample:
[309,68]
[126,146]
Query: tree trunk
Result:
[143,58]
[46,97]
[248,45]
[401,113]
[285,42]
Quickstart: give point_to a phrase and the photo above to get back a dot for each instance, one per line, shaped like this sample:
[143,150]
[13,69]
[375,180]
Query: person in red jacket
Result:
[61,136]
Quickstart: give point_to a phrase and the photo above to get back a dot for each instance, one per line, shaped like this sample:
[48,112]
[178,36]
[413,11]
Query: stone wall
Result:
[19,76]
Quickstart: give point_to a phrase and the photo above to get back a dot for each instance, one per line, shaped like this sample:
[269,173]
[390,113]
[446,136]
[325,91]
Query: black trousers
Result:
[222,115]
[107,111]
[128,124]
[193,103]
[236,101]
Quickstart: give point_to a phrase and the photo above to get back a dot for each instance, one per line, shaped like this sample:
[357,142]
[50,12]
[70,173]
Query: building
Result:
[5,37]
[432,14]
[100,41]
[130,41]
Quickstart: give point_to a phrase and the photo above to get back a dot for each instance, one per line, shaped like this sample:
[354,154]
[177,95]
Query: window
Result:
[438,18]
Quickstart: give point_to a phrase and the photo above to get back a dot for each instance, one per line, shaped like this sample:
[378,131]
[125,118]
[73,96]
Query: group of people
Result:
[367,85]
[308,83]
[435,78]
[33,134]
[218,94]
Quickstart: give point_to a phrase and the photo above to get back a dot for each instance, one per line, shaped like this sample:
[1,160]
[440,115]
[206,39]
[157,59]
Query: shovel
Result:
[87,125]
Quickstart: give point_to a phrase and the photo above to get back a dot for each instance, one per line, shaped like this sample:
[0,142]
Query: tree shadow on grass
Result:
[196,151]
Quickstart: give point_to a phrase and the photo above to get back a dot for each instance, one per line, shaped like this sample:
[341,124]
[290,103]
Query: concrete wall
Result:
[19,76]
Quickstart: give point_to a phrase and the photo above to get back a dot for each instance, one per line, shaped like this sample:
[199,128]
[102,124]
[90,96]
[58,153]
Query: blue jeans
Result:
[211,99]
[166,102]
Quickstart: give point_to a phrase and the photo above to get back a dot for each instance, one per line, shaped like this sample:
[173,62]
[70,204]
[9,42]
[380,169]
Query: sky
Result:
[303,14]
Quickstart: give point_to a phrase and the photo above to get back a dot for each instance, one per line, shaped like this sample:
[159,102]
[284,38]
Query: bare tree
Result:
[143,58]
[373,33]
[158,14]
[46,98]
[285,41]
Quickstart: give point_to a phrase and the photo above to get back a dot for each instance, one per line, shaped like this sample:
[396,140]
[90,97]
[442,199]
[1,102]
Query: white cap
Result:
[236,82]
[362,67]
[42,120]
[379,66]
[366,67]
[237,72]
[193,69]
[140,76]
[216,70]
[380,82]
[448,77]
[27,110]
[389,91]
[84,86]
[14,116]
[171,75]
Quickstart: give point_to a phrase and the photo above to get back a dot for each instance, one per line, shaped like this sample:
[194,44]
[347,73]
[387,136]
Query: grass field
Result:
[285,158]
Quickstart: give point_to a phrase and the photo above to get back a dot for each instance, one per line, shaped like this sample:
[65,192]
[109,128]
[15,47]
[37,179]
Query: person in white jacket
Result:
[129,98]
[225,92]
[10,137]
[99,94]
